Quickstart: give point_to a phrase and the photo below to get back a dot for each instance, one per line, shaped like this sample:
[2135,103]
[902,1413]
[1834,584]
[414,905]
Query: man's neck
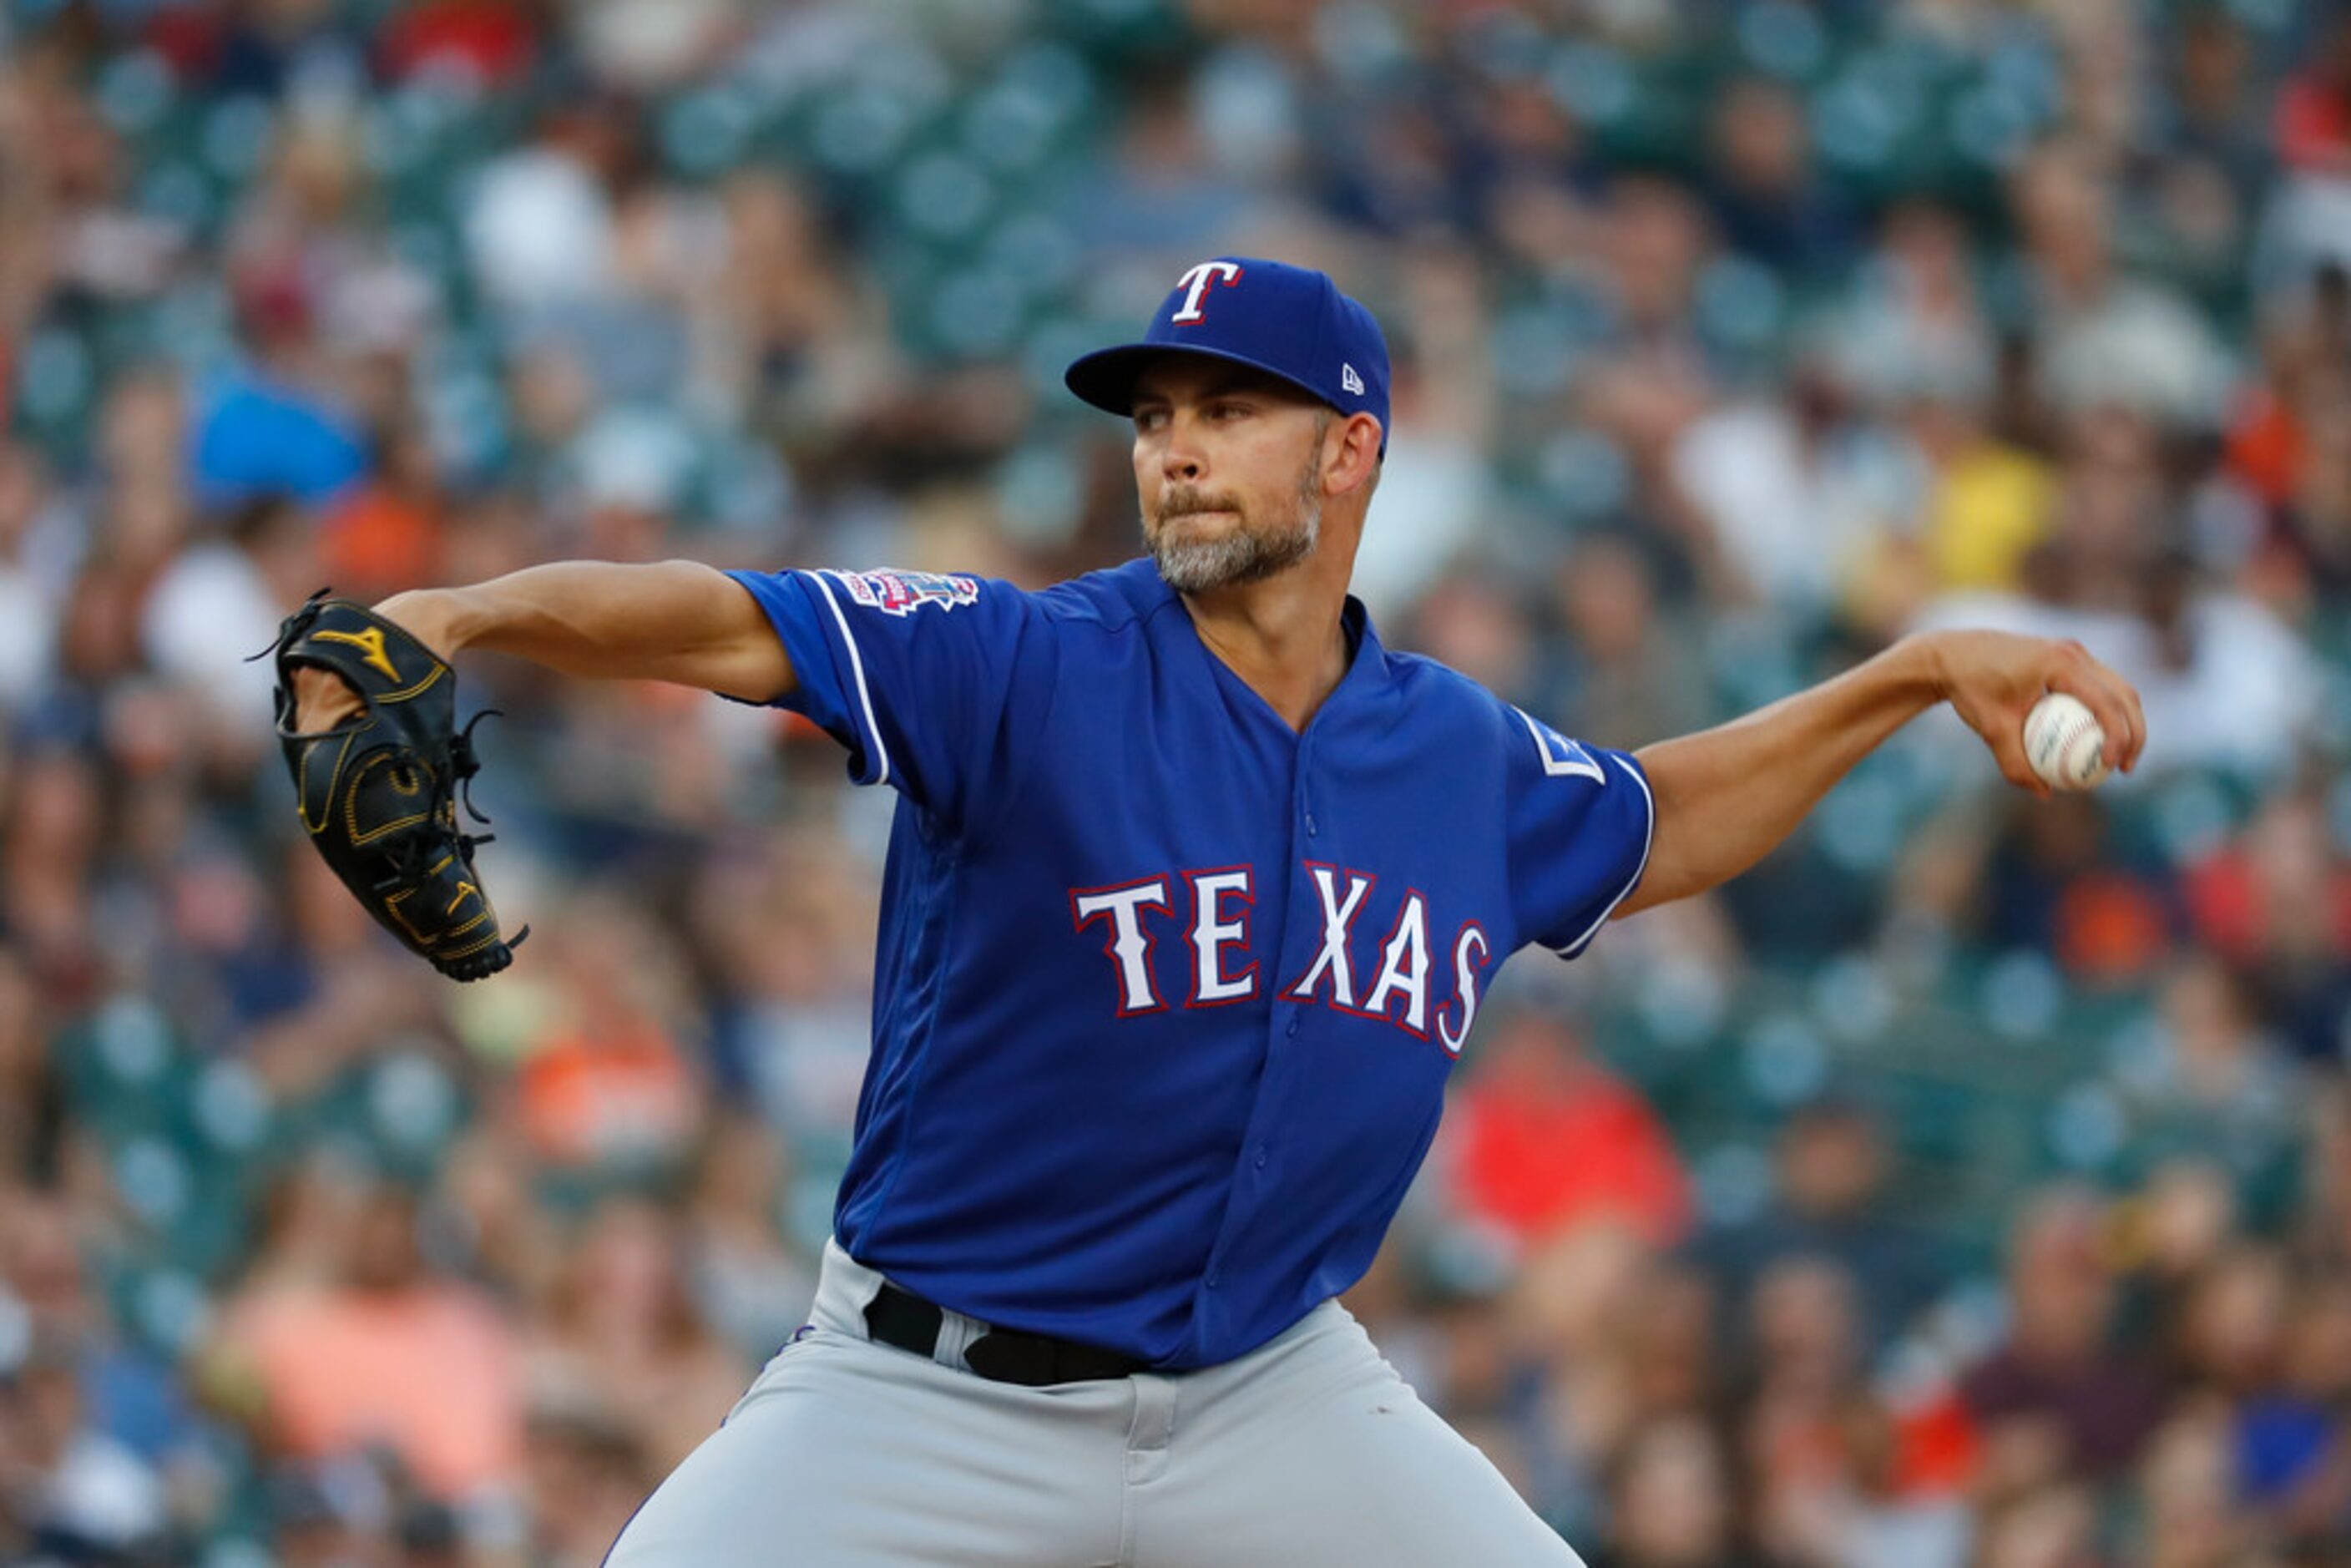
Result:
[1283,637]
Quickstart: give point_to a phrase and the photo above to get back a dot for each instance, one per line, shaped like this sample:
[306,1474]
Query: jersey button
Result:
[1292,1030]
[1261,1157]
[1212,1278]
[1310,824]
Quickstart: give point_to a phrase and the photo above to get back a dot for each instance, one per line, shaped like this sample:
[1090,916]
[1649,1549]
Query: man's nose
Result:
[1181,458]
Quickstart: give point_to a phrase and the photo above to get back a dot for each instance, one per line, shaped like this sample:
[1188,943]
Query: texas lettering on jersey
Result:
[1077,762]
[1394,979]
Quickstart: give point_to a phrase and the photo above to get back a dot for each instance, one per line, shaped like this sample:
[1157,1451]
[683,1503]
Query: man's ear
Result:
[1352,458]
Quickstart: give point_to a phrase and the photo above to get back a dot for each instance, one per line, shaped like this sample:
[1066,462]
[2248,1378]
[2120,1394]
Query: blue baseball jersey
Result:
[1167,992]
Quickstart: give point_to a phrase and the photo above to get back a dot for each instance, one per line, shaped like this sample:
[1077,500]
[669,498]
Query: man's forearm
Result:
[673,620]
[1727,797]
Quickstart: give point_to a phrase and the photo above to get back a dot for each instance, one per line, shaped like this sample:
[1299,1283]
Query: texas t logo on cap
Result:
[1290,322]
[1195,284]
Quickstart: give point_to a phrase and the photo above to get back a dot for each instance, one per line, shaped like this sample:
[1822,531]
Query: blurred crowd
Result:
[1967,1187]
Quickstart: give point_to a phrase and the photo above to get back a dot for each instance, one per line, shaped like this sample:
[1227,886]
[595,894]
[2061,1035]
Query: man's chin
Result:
[1201,551]
[1191,567]
[1204,566]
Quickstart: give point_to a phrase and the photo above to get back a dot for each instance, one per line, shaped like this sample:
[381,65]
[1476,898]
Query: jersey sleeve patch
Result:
[1581,823]
[1561,757]
[919,700]
[904,593]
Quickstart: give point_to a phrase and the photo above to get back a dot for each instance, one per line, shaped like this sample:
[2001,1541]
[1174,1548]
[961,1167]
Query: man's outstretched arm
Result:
[1727,797]
[673,621]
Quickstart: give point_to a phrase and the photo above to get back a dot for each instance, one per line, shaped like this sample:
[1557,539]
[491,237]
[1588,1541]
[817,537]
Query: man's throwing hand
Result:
[1993,678]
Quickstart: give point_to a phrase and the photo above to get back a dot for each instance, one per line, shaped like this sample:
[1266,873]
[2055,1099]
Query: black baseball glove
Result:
[379,792]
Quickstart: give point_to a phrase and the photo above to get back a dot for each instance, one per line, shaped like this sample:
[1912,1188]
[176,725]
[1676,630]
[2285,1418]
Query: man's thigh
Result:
[854,1454]
[1326,1456]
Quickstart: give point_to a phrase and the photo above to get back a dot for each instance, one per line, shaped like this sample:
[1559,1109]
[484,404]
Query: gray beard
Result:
[1199,566]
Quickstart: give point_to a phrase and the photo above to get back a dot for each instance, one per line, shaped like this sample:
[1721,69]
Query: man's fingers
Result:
[322,699]
[2138,721]
[2112,702]
[2008,750]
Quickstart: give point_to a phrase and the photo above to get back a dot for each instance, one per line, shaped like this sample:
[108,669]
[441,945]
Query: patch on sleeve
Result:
[1561,755]
[904,593]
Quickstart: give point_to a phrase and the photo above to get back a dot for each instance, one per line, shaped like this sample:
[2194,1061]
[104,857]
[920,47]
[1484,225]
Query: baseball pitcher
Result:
[1193,891]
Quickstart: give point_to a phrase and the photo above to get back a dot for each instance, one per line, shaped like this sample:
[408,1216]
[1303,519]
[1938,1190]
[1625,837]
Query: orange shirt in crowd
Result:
[1538,1160]
[373,542]
[2232,912]
[432,1371]
[2314,125]
[2111,928]
[2266,446]
[622,1095]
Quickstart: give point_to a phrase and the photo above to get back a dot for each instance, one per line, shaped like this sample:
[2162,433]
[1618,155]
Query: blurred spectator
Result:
[387,1350]
[277,424]
[1828,1206]
[1435,489]
[1797,489]
[49,850]
[753,1288]
[2208,1079]
[2108,338]
[2288,1454]
[196,615]
[623,1341]
[385,533]
[1767,201]
[31,1115]
[28,616]
[73,1491]
[128,1399]
[1672,1503]
[2314,113]
[606,1084]
[1630,674]
[2215,109]
[2059,1397]
[1547,1139]
[2187,1483]
[2052,1526]
[587,1478]
[2275,902]
[1865,1513]
[490,41]
[2053,886]
[540,222]
[1806,1347]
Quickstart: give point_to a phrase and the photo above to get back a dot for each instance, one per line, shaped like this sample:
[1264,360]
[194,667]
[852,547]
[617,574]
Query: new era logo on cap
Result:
[1288,321]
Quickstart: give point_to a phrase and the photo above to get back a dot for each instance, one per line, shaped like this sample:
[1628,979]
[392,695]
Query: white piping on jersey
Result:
[857,668]
[1650,838]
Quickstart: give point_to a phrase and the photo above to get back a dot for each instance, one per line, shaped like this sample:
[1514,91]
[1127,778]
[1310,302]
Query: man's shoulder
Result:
[1436,688]
[1111,600]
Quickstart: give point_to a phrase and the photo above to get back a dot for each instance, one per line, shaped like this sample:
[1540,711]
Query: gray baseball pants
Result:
[1307,1450]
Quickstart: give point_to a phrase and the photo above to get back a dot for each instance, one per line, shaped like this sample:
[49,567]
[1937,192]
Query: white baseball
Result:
[2063,743]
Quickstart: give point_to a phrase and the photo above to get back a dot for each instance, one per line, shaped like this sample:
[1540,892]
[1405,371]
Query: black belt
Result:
[899,1317]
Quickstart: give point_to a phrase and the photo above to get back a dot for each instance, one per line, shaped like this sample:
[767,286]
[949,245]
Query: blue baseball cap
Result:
[1292,322]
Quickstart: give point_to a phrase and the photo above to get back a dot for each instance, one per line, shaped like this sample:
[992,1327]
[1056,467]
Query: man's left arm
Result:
[1727,797]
